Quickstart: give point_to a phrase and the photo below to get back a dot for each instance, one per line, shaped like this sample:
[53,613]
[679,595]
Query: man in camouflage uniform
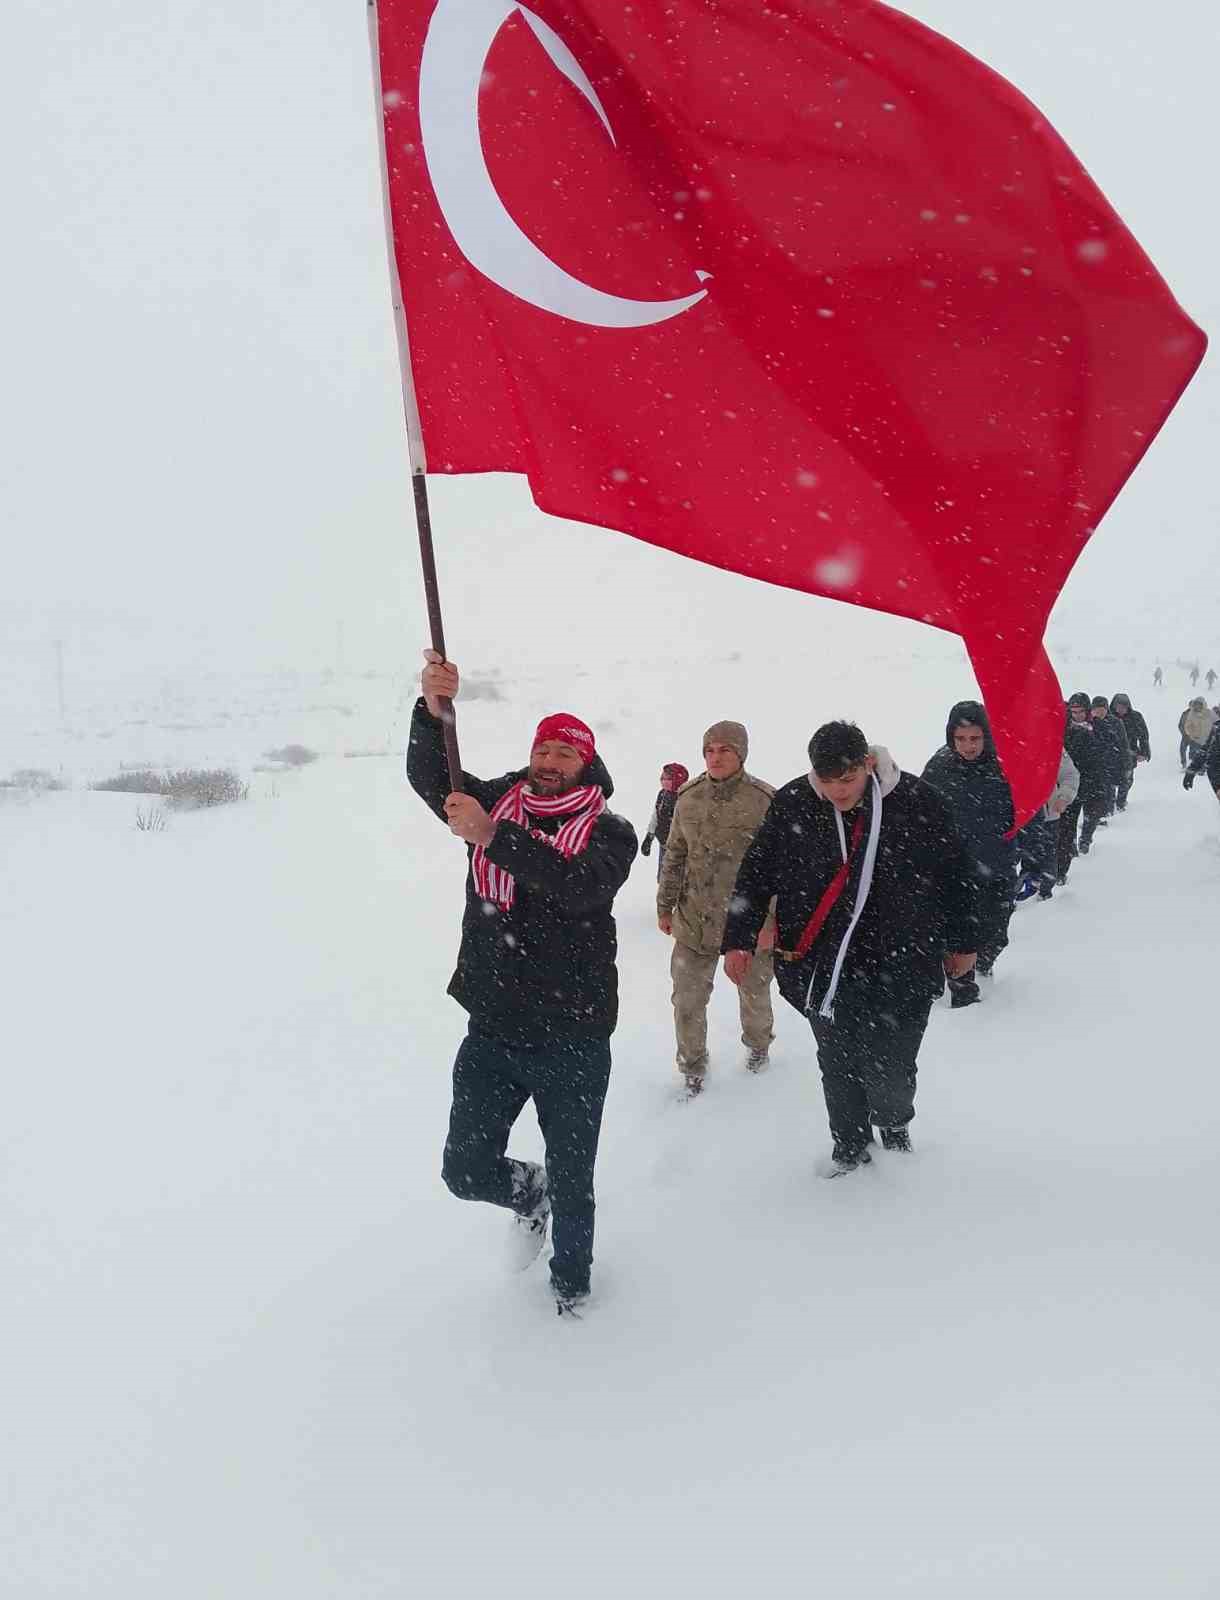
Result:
[716,817]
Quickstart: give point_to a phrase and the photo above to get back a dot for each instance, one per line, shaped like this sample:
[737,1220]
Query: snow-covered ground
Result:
[253,1348]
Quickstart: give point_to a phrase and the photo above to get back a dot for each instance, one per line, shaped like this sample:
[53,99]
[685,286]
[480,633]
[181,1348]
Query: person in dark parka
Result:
[536,971]
[1116,750]
[966,773]
[1081,743]
[875,902]
[1139,749]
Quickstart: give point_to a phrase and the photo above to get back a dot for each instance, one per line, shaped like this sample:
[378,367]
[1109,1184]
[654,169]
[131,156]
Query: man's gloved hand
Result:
[1187,779]
[646,846]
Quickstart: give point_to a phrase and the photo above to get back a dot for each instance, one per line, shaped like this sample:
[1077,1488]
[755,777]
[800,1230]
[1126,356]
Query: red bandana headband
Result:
[563,728]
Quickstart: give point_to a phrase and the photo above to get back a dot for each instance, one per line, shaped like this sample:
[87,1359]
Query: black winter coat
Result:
[1085,749]
[663,816]
[1116,752]
[977,795]
[923,900]
[1136,729]
[1207,759]
[546,969]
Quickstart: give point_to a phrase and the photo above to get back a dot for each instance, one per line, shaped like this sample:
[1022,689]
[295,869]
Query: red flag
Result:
[802,290]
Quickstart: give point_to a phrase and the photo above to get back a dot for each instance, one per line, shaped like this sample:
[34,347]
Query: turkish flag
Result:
[802,290]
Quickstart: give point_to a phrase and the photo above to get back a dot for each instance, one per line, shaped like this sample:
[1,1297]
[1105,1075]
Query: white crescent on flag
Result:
[460,34]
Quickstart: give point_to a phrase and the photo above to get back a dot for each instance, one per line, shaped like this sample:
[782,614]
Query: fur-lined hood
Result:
[887,770]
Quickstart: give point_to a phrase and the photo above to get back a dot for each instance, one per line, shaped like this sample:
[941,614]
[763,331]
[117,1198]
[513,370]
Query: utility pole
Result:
[59,682]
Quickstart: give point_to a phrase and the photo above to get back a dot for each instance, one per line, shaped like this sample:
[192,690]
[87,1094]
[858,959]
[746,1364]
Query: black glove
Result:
[1187,779]
[646,847]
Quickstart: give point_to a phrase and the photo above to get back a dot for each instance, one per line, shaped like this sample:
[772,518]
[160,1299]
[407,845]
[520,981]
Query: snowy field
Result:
[255,1349]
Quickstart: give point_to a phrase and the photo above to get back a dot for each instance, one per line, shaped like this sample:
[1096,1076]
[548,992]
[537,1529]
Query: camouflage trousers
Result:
[693,975]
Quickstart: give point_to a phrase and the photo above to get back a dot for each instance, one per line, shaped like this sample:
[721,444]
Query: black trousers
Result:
[1039,844]
[1124,786]
[567,1082]
[867,1060]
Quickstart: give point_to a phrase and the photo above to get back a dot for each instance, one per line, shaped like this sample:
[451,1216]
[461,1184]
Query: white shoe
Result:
[529,1231]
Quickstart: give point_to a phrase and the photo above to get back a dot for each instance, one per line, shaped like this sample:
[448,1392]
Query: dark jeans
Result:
[1066,845]
[1124,787]
[1039,842]
[867,1059]
[996,901]
[567,1081]
[1094,811]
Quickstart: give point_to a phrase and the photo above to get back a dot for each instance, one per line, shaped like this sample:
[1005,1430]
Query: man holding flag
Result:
[536,972]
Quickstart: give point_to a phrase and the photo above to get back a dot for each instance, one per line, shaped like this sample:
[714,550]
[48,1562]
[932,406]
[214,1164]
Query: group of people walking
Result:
[859,890]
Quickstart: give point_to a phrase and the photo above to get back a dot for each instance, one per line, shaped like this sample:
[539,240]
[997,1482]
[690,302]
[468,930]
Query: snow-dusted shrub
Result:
[151,821]
[191,789]
[292,755]
[139,782]
[36,778]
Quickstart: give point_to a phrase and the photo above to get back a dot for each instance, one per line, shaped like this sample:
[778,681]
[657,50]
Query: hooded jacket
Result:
[545,969]
[713,823]
[1116,751]
[976,792]
[1084,747]
[1134,726]
[922,902]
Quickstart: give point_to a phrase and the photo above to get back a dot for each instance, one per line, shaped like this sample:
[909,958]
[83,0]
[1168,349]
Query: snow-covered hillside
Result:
[255,1349]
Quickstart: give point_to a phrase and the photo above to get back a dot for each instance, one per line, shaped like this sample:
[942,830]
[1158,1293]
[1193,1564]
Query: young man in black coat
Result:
[536,972]
[966,773]
[1082,744]
[875,903]
[1139,749]
[1109,729]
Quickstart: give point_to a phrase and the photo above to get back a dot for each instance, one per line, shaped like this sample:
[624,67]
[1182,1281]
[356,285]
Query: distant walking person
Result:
[876,903]
[673,776]
[1194,675]
[1082,744]
[1116,750]
[716,816]
[965,771]
[536,971]
[1139,749]
[1158,678]
[1211,679]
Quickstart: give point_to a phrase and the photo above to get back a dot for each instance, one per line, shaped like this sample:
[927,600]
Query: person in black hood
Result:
[1081,743]
[1138,748]
[1115,745]
[875,905]
[966,773]
[536,972]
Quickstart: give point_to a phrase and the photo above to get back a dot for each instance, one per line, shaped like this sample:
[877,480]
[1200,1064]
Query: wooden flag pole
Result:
[415,435]
[432,595]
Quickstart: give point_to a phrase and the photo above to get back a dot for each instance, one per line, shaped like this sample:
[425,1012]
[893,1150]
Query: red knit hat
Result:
[564,728]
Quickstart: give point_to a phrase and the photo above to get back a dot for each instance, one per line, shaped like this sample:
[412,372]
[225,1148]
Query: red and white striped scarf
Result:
[581,806]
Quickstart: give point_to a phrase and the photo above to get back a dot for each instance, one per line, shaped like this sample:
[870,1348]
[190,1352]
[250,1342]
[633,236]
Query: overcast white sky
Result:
[204,453]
